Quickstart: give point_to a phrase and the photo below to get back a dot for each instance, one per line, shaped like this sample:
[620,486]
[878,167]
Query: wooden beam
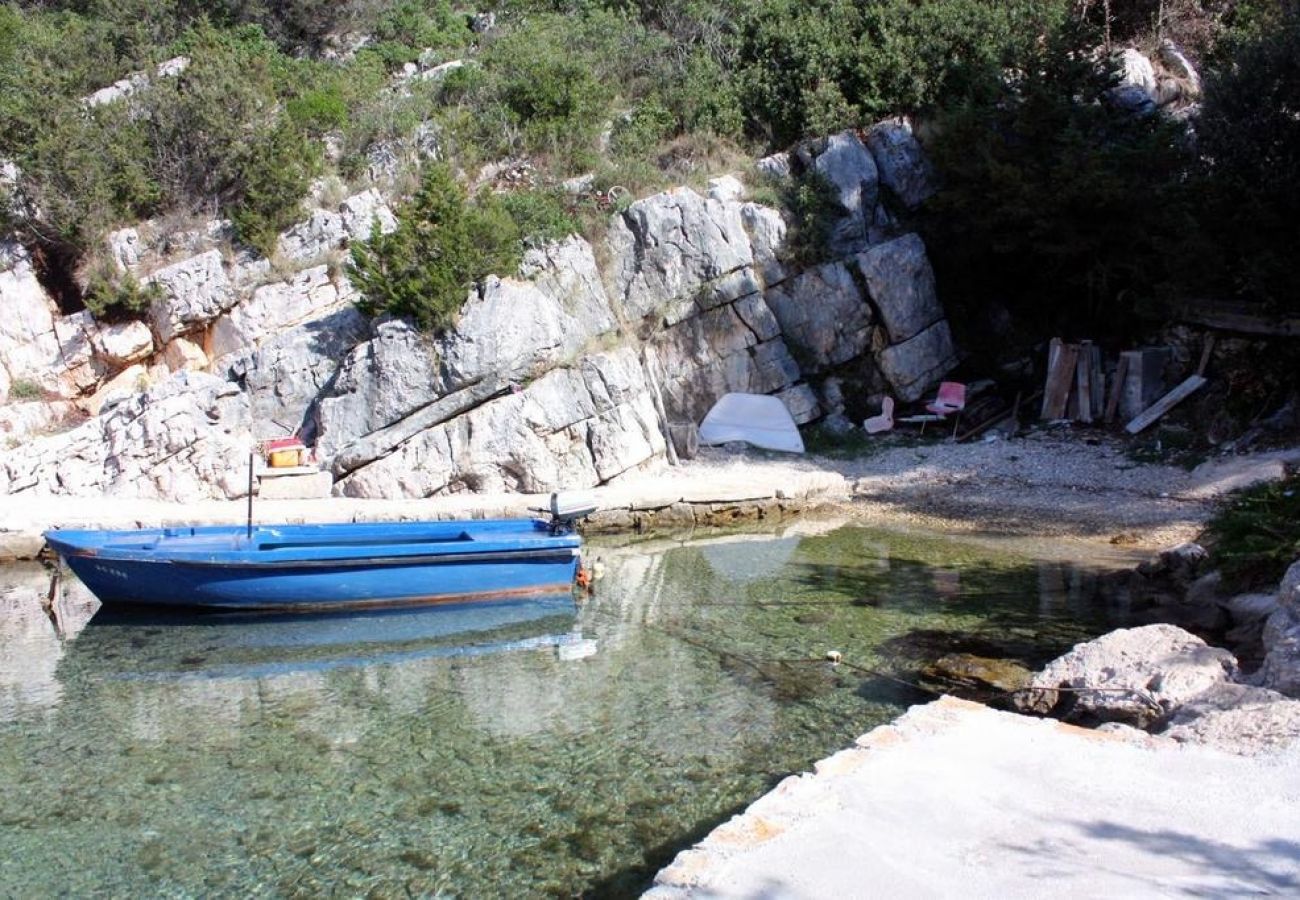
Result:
[1205,354]
[1098,385]
[1116,389]
[1083,383]
[1053,360]
[1056,393]
[1166,403]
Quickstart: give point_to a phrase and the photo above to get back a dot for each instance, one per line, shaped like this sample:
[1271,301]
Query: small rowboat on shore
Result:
[329,566]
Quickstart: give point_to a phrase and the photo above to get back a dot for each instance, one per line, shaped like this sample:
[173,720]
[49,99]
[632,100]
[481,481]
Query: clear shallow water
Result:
[559,750]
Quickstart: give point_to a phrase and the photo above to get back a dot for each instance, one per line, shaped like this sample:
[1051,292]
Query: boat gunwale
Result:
[499,541]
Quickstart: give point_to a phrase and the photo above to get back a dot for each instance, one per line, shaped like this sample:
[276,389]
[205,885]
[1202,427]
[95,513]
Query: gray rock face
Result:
[1281,668]
[194,292]
[122,344]
[276,307]
[380,382]
[823,316]
[900,283]
[912,366]
[571,427]
[732,348]
[513,328]
[287,372]
[905,170]
[183,439]
[846,163]
[669,249]
[1133,675]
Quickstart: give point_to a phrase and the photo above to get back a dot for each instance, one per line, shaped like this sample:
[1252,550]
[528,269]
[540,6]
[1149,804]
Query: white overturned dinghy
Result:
[760,420]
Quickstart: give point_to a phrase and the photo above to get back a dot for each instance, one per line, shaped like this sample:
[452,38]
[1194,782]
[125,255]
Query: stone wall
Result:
[554,377]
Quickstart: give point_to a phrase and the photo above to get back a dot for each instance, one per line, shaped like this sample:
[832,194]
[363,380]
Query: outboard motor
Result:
[567,508]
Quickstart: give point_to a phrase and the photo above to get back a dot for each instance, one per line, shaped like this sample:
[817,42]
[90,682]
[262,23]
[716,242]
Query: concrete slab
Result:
[956,800]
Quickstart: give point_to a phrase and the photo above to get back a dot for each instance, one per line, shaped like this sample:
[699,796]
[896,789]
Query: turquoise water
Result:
[555,751]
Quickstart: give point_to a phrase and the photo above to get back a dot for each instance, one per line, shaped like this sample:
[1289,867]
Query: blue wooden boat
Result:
[324,567]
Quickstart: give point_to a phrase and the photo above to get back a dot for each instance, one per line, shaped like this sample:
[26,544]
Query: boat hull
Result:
[316,568]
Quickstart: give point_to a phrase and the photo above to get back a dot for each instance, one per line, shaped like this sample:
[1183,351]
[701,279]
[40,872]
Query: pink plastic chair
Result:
[882,422]
[952,398]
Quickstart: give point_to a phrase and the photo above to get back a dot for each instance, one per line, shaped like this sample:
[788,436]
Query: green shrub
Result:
[1257,536]
[812,208]
[25,389]
[441,247]
[112,295]
[539,215]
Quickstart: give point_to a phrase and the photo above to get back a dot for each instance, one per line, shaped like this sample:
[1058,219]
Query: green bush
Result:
[442,245]
[539,215]
[1249,188]
[112,295]
[1054,202]
[1257,536]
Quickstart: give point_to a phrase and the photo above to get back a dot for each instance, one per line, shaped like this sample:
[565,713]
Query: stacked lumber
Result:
[1076,384]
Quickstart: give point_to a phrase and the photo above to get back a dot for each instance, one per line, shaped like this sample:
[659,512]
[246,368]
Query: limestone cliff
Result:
[565,374]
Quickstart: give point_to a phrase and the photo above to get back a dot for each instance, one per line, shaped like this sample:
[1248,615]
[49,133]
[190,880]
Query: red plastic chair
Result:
[951,399]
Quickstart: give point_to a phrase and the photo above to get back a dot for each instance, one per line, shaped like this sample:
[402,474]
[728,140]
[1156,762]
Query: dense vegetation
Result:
[1057,206]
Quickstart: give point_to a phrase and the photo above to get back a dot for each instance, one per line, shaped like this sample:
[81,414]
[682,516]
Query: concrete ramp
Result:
[957,800]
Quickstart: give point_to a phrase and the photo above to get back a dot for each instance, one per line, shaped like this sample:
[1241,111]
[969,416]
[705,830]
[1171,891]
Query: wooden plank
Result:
[1098,385]
[1166,403]
[1053,360]
[1205,354]
[1121,373]
[1083,384]
[1056,393]
[1246,318]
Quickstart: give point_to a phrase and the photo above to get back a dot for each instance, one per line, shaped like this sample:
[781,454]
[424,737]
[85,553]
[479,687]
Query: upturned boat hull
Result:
[321,567]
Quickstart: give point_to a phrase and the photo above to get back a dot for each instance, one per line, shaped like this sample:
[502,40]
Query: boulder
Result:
[1135,70]
[900,284]
[76,369]
[363,212]
[823,317]
[726,189]
[126,248]
[1132,675]
[967,670]
[184,354]
[1280,670]
[914,365]
[849,167]
[28,310]
[1180,565]
[905,170]
[131,380]
[194,292]
[767,230]
[310,241]
[802,402]
[121,344]
[1237,718]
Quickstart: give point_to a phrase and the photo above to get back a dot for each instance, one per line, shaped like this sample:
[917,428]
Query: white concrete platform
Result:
[956,800]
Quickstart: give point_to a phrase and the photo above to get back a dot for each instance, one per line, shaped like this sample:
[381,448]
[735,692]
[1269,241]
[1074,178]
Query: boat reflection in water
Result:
[152,644]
